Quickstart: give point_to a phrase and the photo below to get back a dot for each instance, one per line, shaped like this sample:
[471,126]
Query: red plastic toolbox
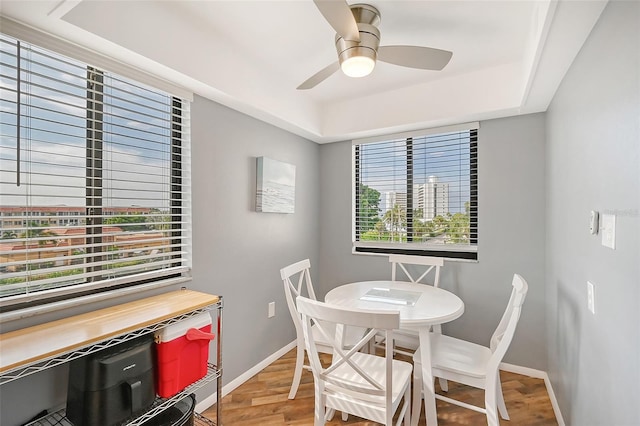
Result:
[182,353]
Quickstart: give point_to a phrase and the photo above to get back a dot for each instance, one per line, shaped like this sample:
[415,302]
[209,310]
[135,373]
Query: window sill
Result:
[468,255]
[32,311]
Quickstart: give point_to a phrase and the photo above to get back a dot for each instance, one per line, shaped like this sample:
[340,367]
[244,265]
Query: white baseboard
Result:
[537,374]
[525,371]
[229,387]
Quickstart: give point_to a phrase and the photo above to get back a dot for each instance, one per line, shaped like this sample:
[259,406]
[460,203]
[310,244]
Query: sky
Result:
[136,134]
[447,156]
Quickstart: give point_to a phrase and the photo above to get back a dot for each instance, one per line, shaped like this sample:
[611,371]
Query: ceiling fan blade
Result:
[426,58]
[319,77]
[340,17]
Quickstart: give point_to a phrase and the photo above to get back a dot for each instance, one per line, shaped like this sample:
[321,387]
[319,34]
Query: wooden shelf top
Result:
[33,344]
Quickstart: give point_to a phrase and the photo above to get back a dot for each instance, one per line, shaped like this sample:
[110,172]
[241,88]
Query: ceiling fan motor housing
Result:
[365,14]
[367,17]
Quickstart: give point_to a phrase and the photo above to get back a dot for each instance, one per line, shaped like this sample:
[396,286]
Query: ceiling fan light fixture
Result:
[358,66]
[358,58]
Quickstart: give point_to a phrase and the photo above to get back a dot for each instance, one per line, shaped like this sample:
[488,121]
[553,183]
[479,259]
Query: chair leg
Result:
[408,411]
[328,415]
[297,375]
[319,407]
[417,394]
[490,404]
[502,407]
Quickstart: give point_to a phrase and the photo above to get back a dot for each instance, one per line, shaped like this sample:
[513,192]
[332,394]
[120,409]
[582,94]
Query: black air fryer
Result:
[111,385]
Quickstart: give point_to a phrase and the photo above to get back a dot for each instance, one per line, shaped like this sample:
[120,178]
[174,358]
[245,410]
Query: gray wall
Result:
[593,147]
[237,252]
[511,235]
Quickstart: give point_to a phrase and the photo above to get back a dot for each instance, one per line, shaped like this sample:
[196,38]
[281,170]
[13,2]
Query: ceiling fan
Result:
[358,44]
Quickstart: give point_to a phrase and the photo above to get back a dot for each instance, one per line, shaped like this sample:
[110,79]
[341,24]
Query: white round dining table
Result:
[421,306]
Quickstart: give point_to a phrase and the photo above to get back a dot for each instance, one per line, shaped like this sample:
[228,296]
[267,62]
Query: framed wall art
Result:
[275,187]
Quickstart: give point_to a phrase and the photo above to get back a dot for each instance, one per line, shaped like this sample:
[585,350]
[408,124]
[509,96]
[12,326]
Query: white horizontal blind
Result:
[94,176]
[417,195]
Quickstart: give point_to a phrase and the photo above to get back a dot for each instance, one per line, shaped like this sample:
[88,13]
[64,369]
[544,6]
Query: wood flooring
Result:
[263,401]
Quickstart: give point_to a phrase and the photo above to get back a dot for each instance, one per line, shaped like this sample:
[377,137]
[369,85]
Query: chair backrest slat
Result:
[431,263]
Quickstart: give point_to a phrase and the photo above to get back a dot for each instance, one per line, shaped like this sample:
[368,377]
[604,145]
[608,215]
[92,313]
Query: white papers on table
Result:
[392,295]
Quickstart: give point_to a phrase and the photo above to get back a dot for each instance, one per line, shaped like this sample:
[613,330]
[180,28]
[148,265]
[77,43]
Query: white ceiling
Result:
[509,56]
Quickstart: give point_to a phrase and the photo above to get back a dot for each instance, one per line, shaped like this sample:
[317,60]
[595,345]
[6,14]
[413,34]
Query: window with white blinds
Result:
[417,194]
[94,177]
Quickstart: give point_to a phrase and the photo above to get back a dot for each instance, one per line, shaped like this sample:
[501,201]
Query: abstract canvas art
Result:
[275,187]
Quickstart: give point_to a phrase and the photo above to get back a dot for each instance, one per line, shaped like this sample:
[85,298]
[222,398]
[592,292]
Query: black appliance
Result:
[111,385]
[179,414]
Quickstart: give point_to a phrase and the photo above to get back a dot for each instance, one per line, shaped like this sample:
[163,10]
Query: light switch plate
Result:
[608,231]
[272,310]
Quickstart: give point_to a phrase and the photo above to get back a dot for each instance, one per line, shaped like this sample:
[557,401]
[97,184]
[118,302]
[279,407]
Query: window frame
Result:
[179,208]
[453,251]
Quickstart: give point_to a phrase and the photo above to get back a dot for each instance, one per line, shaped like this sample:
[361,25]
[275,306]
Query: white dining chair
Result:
[365,385]
[297,282]
[472,364]
[417,269]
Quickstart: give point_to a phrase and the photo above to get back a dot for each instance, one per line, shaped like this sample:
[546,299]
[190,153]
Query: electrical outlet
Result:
[591,297]
[272,310]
